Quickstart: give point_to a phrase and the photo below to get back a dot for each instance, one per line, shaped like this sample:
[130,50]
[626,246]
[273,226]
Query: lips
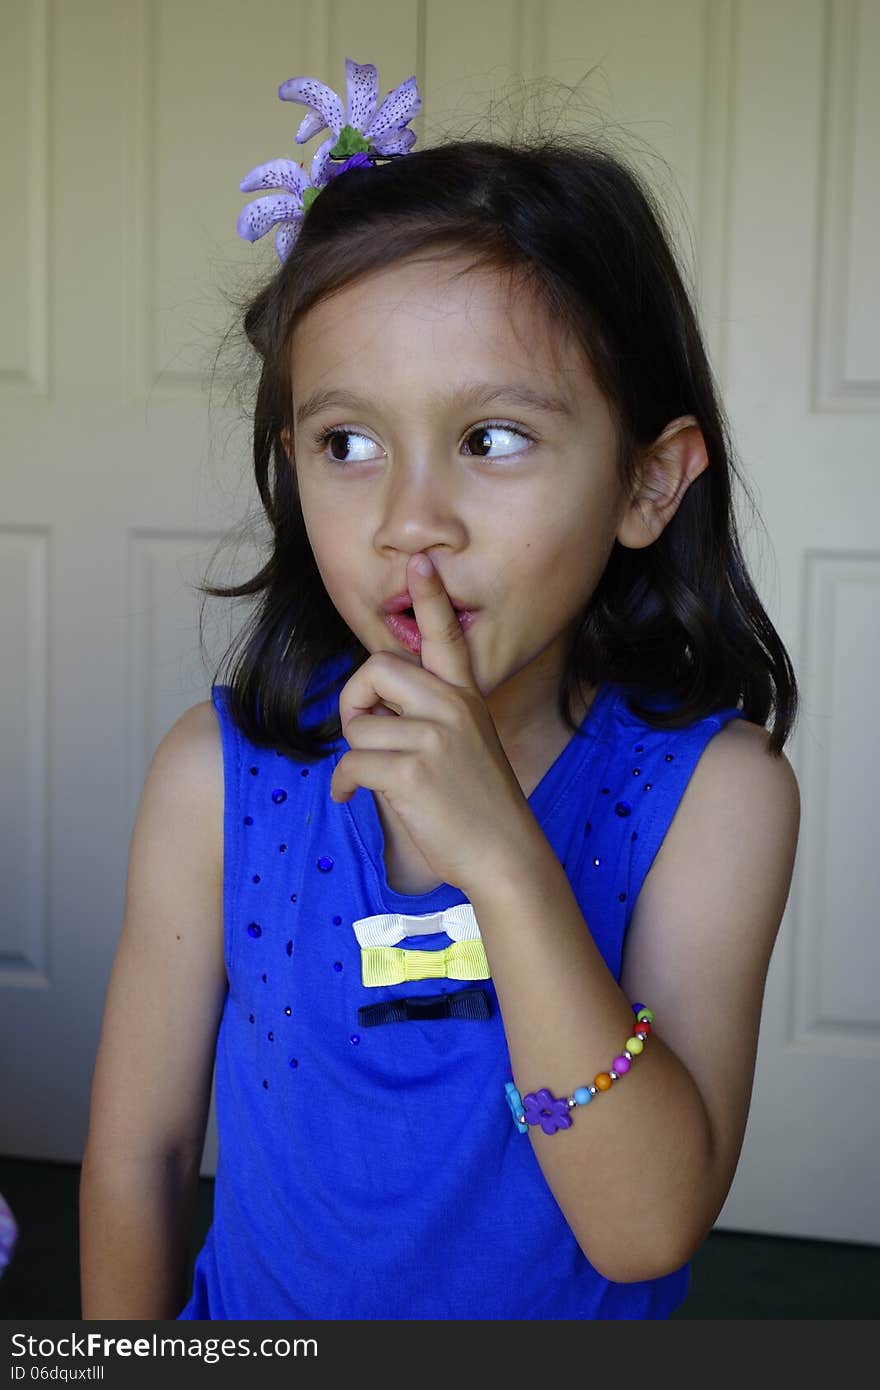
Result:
[407,632]
[398,603]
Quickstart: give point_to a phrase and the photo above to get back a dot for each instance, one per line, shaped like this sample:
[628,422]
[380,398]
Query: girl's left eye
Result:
[483,430]
[480,431]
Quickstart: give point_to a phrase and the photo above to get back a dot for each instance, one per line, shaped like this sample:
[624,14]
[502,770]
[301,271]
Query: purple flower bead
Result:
[356,161]
[541,1108]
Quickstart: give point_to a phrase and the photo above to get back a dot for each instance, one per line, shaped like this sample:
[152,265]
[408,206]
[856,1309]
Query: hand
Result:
[439,763]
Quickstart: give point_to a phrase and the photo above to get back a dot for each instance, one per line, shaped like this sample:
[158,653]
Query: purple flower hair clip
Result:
[360,135]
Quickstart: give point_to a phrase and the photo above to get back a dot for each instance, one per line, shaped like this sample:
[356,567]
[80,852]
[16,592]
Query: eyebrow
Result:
[479,393]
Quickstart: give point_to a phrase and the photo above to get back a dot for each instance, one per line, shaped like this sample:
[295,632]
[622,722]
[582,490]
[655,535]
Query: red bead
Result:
[643,1028]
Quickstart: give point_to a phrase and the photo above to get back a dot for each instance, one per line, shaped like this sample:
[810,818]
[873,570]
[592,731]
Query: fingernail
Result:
[424,565]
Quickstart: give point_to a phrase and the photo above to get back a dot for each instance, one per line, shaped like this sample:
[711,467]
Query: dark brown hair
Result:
[679,617]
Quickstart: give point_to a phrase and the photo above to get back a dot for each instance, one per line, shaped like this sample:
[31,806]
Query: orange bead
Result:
[603,1081]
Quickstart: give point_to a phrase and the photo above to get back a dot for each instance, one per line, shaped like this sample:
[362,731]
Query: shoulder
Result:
[743,797]
[740,810]
[741,751]
[191,756]
[194,738]
[198,727]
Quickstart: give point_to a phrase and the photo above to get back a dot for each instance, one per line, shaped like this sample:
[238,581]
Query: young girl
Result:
[473,907]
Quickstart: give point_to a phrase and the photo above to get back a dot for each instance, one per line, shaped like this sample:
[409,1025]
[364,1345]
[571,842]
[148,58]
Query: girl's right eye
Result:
[335,431]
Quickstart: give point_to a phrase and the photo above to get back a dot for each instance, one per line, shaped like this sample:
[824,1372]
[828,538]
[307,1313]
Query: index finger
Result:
[444,650]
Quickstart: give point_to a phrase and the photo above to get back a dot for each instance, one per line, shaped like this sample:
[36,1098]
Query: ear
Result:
[667,469]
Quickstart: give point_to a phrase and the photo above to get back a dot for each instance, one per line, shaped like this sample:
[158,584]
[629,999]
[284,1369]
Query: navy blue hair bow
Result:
[463,1003]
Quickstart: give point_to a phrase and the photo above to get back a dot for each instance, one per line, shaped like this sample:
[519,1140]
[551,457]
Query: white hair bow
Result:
[387,928]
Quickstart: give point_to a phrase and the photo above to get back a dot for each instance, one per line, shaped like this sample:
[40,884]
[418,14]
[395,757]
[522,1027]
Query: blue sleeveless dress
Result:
[349,1185]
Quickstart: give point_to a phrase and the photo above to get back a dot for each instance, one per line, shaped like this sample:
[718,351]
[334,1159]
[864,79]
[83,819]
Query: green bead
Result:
[645,1016]
[634,1045]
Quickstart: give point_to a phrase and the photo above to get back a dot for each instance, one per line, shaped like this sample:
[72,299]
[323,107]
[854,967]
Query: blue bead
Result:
[514,1100]
[279,795]
[325,863]
[255,929]
[636,1007]
[582,1096]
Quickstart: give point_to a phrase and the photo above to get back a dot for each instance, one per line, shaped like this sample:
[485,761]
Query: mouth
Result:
[400,603]
[404,627]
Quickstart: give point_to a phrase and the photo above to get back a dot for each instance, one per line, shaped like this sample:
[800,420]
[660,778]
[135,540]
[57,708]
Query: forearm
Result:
[631,1173]
[135,1222]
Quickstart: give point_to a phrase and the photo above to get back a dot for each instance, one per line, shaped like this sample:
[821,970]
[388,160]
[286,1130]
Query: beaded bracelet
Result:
[551,1112]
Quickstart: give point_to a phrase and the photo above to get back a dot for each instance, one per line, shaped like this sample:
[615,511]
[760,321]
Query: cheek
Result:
[327,528]
[557,561]
[553,543]
[329,551]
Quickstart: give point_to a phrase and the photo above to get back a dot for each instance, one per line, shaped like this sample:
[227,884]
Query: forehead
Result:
[423,316]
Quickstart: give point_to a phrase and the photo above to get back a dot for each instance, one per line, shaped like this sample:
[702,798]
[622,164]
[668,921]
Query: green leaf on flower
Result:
[350,142]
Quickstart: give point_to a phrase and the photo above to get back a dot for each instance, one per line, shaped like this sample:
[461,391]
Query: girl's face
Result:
[516,502]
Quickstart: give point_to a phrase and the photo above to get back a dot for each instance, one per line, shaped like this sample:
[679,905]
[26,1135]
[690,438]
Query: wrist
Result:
[525,862]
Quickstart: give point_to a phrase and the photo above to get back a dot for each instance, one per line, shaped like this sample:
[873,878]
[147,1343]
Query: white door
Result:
[126,130]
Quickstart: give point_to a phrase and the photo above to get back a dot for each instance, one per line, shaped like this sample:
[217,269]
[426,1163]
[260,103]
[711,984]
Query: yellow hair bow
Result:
[392,965]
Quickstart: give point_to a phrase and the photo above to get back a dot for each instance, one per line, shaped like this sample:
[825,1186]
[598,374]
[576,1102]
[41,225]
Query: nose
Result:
[419,510]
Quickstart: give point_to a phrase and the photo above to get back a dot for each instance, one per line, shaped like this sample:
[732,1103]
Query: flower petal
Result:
[362,93]
[285,239]
[309,126]
[319,172]
[321,98]
[256,218]
[399,106]
[400,143]
[278,173]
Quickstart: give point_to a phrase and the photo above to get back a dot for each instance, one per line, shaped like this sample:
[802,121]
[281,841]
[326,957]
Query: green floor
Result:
[734,1275]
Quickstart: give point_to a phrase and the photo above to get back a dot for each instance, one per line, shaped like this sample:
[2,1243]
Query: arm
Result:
[151,1087]
[642,1174]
